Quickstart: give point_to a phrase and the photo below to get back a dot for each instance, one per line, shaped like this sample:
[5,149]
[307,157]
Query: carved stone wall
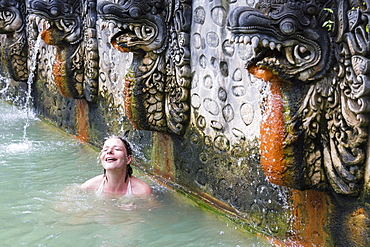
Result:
[175,78]
[226,115]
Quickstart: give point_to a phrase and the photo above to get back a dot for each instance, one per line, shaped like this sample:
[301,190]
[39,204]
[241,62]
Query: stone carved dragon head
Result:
[157,33]
[76,66]
[12,24]
[320,49]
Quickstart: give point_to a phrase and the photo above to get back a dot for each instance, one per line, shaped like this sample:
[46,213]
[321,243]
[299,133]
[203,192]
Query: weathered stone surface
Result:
[15,46]
[178,72]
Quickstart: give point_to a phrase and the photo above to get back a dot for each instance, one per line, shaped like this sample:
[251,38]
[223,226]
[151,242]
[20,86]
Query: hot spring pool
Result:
[41,204]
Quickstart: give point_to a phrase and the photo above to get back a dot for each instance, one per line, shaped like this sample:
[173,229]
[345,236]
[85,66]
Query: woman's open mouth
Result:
[110,159]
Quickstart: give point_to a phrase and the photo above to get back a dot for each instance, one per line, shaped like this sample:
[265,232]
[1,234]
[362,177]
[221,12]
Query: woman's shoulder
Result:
[93,183]
[139,187]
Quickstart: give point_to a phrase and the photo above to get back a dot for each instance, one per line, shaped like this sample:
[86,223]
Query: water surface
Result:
[42,205]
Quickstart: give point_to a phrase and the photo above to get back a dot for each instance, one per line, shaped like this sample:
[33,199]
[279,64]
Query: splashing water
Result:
[7,118]
[18,147]
[6,81]
[26,112]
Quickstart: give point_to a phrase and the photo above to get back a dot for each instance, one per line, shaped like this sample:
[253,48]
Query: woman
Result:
[117,179]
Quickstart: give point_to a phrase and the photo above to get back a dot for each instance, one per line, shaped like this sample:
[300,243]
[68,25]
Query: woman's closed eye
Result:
[115,149]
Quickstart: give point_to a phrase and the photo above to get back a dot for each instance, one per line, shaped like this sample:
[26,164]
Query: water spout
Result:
[27,106]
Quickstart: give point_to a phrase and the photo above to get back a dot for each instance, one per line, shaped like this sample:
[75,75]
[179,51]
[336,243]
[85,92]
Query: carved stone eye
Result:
[54,11]
[135,12]
[288,26]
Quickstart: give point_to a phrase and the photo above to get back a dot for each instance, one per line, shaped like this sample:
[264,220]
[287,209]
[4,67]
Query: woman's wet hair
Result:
[128,151]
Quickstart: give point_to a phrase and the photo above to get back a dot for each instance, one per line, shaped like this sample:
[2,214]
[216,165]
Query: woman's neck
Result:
[116,182]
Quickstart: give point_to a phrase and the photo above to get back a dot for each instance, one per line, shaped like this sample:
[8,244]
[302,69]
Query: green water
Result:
[41,204]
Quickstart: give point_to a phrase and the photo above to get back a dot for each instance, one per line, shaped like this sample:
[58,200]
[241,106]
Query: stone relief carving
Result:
[225,119]
[157,33]
[300,41]
[71,29]
[225,100]
[91,63]
[13,25]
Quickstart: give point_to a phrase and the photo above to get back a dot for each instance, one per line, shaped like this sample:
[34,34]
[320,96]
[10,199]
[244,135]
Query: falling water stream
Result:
[5,83]
[28,95]
[42,205]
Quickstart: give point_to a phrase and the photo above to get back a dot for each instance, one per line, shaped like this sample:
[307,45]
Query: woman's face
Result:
[114,155]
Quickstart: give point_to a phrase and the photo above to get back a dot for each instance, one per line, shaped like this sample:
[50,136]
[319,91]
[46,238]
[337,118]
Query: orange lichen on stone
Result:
[310,218]
[272,130]
[357,224]
[46,36]
[118,47]
[128,98]
[50,37]
[162,155]
[82,123]
[59,72]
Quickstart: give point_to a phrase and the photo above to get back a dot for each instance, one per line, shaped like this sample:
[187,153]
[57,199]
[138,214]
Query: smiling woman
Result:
[117,179]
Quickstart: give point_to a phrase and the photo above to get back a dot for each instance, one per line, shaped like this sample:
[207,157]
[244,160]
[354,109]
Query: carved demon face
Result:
[141,23]
[12,14]
[289,40]
[156,32]
[64,19]
[314,131]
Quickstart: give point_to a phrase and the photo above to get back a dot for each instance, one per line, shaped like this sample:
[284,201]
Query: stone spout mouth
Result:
[257,59]
[289,59]
[134,36]
[61,32]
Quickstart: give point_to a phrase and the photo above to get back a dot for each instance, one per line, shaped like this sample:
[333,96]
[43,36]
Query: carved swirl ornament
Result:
[324,44]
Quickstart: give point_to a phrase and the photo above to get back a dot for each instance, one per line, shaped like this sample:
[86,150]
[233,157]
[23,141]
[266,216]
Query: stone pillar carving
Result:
[157,33]
[13,25]
[72,31]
